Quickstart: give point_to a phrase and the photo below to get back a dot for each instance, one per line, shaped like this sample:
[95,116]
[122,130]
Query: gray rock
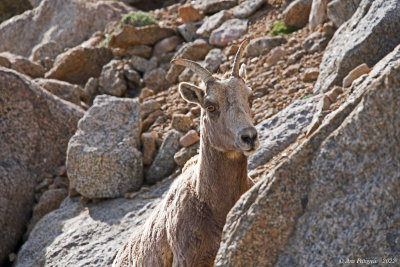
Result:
[155,79]
[366,38]
[166,45]
[186,153]
[91,89]
[50,49]
[80,234]
[213,6]
[164,162]
[148,107]
[316,42]
[214,58]
[262,45]
[340,11]
[102,159]
[282,129]
[246,8]
[195,51]
[112,80]
[297,13]
[229,31]
[213,22]
[64,90]
[79,64]
[318,14]
[143,65]
[36,127]
[336,195]
[48,22]
[188,30]
[131,75]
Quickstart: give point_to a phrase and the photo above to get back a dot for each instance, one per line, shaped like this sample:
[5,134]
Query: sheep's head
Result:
[226,114]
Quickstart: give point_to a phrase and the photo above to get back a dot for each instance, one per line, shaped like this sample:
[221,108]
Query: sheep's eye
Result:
[211,108]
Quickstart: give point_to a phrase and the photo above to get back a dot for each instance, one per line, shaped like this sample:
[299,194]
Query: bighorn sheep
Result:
[185,229]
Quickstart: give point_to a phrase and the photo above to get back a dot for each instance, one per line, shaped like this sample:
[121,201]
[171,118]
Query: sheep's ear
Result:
[192,93]
[242,72]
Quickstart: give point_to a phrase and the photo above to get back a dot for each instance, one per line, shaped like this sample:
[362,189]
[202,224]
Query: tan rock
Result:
[318,14]
[355,73]
[64,90]
[297,13]
[21,64]
[151,119]
[310,75]
[78,64]
[275,55]
[185,153]
[146,35]
[181,122]
[149,146]
[189,138]
[188,13]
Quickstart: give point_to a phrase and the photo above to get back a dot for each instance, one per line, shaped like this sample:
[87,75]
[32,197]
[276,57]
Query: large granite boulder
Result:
[336,196]
[48,22]
[103,160]
[79,234]
[282,129]
[367,37]
[35,129]
[339,11]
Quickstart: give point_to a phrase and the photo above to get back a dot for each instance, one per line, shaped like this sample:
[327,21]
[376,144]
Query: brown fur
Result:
[185,229]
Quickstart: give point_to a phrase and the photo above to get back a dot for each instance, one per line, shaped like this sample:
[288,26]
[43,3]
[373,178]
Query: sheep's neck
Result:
[222,179]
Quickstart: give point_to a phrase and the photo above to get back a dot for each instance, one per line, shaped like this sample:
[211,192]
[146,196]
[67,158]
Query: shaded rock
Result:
[297,13]
[102,158]
[189,138]
[155,79]
[135,50]
[91,89]
[22,65]
[151,119]
[143,65]
[262,45]
[336,194]
[339,11]
[213,6]
[187,75]
[166,45]
[282,129]
[316,42]
[112,80]
[213,22]
[181,122]
[4,61]
[146,35]
[64,90]
[50,49]
[196,50]
[90,234]
[78,64]
[214,58]
[148,107]
[49,201]
[186,153]
[188,31]
[164,162]
[246,8]
[48,23]
[188,13]
[36,127]
[318,14]
[131,75]
[366,38]
[310,75]
[149,147]
[229,31]
[354,74]
[10,8]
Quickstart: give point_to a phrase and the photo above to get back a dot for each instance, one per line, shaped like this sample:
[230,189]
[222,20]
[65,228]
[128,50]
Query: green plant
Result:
[138,19]
[279,27]
[308,96]
[105,41]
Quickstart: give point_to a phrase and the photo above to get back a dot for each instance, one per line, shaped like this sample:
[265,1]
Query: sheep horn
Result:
[205,75]
[239,54]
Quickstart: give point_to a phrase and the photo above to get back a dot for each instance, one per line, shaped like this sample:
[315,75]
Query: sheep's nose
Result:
[248,135]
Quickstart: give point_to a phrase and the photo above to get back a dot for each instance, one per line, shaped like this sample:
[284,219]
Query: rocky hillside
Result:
[93,129]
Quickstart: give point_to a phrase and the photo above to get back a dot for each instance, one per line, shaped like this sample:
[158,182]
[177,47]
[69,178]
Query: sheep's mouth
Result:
[250,152]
